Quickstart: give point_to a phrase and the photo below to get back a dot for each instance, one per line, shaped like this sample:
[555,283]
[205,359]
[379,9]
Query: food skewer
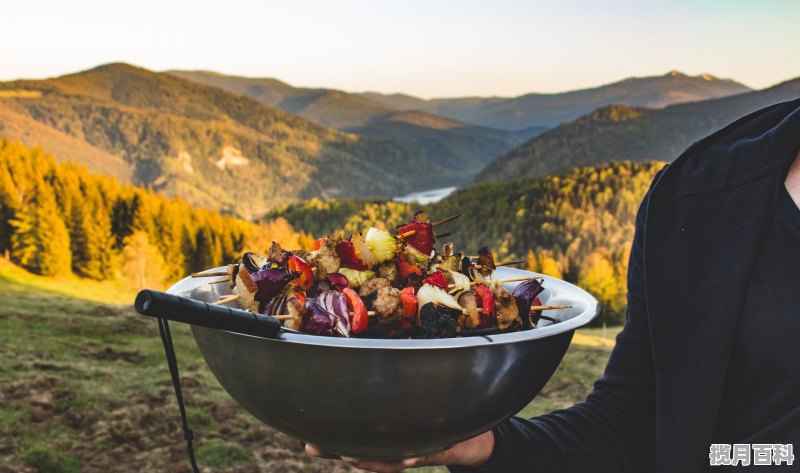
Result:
[474,283]
[445,220]
[220,281]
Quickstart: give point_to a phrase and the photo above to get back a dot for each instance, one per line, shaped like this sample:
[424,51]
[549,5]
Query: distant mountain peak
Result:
[676,73]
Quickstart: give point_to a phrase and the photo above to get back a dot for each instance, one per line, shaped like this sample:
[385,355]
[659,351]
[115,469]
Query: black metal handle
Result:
[190,311]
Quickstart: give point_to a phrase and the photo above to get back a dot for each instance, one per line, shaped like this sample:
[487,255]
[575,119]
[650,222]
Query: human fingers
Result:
[376,466]
[313,451]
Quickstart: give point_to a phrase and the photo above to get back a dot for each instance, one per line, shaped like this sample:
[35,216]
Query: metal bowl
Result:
[389,399]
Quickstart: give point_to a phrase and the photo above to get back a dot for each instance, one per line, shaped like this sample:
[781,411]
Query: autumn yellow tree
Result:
[142,263]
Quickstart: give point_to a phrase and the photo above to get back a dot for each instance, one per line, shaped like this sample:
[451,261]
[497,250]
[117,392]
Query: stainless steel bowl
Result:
[369,398]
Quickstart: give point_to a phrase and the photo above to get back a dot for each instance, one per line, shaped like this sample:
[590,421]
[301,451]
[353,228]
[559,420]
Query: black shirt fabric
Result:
[761,400]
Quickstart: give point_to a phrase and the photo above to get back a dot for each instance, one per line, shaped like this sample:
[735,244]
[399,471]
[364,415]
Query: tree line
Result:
[57,218]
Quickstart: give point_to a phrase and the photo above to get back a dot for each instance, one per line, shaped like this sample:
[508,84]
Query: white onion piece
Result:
[460,281]
[430,293]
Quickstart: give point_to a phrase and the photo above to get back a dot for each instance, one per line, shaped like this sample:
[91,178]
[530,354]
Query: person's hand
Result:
[471,452]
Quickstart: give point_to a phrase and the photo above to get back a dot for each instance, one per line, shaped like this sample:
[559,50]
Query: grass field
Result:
[84,387]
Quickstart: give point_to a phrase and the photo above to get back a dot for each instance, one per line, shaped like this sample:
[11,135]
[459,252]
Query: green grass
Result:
[221,455]
[44,460]
[87,381]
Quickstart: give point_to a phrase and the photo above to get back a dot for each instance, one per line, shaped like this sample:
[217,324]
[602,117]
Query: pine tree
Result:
[41,239]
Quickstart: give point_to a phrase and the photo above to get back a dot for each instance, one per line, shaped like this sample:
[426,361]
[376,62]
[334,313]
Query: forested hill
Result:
[58,218]
[463,148]
[213,148]
[577,225]
[627,133]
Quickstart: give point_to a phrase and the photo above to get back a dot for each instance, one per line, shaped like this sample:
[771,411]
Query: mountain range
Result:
[622,133]
[214,148]
[548,110]
[463,134]
[463,148]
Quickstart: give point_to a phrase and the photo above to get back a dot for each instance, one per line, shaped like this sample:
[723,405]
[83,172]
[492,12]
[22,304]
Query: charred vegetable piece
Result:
[406,268]
[468,301]
[246,290]
[327,314]
[409,301]
[525,293]
[295,307]
[416,257]
[460,282]
[437,321]
[338,281]
[277,254]
[360,320]
[299,265]
[356,278]
[437,279]
[485,299]
[382,245]
[253,261]
[422,239]
[505,308]
[318,244]
[421,216]
[347,254]
[429,293]
[466,264]
[270,282]
[486,260]
[362,251]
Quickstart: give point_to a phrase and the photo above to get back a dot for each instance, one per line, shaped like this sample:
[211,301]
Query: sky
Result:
[426,48]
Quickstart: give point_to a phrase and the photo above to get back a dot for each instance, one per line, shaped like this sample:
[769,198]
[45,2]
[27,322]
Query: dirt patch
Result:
[110,354]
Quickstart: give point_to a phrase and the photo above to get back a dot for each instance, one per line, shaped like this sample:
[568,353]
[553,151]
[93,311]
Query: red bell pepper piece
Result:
[409,301]
[306,278]
[437,279]
[318,243]
[485,300]
[422,239]
[406,268]
[347,253]
[360,319]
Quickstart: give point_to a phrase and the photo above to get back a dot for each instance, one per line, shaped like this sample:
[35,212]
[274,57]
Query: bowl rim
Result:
[591,311]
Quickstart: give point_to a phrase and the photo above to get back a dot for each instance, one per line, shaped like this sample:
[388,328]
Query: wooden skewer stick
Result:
[226,300]
[205,275]
[504,263]
[220,281]
[445,220]
[406,234]
[475,283]
[534,308]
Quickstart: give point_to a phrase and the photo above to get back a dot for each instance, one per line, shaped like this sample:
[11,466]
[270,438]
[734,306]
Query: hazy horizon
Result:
[440,49]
